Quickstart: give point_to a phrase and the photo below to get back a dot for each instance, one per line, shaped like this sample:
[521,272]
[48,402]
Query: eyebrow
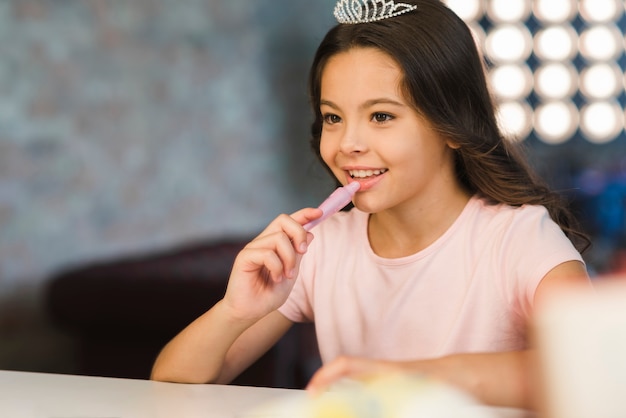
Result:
[367,104]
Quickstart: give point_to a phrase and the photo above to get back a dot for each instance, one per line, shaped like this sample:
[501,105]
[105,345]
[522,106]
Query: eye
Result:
[331,118]
[380,117]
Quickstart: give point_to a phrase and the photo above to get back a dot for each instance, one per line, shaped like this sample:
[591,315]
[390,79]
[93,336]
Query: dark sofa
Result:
[121,312]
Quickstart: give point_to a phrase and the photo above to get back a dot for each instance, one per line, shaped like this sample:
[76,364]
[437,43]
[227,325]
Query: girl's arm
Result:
[235,332]
[216,348]
[499,379]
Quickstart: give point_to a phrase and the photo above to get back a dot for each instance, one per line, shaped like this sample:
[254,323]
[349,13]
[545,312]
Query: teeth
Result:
[366,173]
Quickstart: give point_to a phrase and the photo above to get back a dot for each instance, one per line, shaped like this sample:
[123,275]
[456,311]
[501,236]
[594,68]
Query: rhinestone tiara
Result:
[364,11]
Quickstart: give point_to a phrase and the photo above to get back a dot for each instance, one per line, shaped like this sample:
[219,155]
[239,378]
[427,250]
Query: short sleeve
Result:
[533,245]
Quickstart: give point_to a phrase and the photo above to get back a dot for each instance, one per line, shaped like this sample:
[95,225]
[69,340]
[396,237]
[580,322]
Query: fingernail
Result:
[303,247]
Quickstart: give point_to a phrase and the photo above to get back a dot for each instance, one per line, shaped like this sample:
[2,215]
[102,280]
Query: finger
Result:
[291,225]
[284,222]
[306,215]
[282,246]
[302,217]
[260,261]
[287,255]
[330,373]
[348,367]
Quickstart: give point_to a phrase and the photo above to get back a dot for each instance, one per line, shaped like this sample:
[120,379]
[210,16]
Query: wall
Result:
[132,126]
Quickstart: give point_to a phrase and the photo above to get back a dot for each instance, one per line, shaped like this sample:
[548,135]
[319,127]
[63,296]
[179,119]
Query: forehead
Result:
[365,70]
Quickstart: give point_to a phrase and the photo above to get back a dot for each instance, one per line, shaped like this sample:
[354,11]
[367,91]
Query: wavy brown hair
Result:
[444,79]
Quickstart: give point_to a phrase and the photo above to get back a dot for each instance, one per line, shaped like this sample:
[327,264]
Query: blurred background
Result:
[128,127]
[556,68]
[136,127]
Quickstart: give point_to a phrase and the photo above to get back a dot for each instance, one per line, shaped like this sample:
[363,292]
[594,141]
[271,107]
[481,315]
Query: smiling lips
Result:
[363,174]
[367,178]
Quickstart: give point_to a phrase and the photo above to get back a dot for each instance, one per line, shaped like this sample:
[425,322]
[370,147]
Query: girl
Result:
[451,241]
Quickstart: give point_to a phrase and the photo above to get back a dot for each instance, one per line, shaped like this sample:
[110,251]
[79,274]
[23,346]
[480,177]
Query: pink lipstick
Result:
[335,202]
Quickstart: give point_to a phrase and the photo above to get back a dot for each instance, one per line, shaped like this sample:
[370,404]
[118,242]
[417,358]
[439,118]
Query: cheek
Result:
[327,151]
[405,152]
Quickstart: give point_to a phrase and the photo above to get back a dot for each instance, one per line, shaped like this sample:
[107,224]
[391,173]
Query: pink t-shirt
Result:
[470,291]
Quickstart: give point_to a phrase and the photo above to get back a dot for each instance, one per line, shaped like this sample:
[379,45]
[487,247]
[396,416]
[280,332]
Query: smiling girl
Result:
[451,242]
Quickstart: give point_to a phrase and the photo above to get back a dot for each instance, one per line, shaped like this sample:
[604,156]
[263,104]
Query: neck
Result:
[402,232]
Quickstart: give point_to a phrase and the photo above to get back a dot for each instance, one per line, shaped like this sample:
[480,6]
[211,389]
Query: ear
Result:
[452,144]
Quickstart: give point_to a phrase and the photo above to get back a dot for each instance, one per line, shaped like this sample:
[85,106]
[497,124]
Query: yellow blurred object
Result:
[386,396]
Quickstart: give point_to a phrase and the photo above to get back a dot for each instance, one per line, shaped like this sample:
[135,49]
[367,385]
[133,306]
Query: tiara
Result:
[365,11]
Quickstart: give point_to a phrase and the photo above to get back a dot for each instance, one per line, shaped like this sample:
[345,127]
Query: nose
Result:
[352,141]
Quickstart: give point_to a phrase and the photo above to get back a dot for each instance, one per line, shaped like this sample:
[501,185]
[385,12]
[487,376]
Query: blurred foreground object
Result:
[581,341]
[389,396]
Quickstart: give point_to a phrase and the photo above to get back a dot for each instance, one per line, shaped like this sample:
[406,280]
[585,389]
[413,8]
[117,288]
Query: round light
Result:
[601,122]
[601,81]
[556,43]
[600,11]
[601,43]
[468,10]
[555,81]
[509,11]
[511,82]
[508,43]
[515,120]
[556,122]
[554,11]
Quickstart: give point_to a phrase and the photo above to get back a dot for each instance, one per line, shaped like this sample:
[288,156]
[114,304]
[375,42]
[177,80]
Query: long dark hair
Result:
[444,79]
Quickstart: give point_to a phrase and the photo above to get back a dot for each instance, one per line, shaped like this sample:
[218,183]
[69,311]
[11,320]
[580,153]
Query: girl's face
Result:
[371,134]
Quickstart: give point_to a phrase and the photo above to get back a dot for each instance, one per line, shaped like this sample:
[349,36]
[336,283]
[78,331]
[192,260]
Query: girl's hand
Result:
[351,368]
[498,378]
[263,272]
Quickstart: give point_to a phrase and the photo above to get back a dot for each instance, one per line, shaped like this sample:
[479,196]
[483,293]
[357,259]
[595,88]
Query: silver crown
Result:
[365,11]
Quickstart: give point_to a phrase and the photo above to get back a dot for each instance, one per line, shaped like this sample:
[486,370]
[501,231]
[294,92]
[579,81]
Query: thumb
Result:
[306,215]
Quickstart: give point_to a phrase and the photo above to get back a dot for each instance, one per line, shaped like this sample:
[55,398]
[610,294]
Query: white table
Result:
[40,395]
